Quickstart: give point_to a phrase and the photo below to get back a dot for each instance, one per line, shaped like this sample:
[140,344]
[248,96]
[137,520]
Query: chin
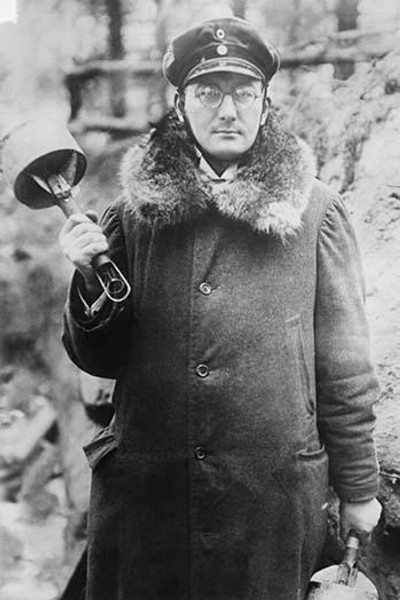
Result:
[226,154]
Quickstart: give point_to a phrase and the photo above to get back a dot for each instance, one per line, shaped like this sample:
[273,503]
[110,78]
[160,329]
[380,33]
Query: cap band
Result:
[220,65]
[217,45]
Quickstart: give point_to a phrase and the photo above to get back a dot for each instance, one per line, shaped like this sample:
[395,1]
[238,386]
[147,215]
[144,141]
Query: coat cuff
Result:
[357,484]
[359,495]
[83,315]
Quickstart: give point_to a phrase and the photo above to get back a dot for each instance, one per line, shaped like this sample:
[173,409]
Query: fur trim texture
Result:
[162,184]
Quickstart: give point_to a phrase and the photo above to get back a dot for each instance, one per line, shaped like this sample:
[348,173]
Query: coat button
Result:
[200,453]
[202,370]
[205,288]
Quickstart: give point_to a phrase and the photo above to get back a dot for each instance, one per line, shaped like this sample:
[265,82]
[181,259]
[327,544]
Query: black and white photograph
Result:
[199,300]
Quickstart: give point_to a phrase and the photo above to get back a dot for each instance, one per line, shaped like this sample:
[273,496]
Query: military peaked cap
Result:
[226,44]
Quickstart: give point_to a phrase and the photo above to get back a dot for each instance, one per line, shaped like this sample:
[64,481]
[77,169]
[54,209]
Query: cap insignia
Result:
[220,33]
[222,50]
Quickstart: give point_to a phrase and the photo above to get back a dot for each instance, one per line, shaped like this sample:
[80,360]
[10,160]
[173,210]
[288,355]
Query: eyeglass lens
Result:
[212,96]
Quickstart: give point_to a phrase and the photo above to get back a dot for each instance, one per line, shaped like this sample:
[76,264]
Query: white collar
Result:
[227,175]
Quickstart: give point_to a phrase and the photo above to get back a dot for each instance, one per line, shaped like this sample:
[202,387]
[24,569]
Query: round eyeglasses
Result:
[211,96]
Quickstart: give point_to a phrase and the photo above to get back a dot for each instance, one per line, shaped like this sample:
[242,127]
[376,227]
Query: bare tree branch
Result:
[290,58]
[114,125]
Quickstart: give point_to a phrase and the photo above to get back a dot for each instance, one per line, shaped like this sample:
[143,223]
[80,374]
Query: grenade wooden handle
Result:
[109,275]
[348,569]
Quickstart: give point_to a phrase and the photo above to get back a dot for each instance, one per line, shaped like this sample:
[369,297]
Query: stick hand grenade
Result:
[42,163]
[344,581]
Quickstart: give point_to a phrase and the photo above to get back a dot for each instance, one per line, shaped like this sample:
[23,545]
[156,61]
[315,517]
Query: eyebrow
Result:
[218,84]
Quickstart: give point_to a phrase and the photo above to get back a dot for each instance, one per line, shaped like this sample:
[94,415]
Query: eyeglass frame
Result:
[231,94]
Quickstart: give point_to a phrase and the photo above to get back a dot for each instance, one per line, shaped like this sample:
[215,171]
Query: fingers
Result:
[73,220]
[360,516]
[92,215]
[83,233]
[80,241]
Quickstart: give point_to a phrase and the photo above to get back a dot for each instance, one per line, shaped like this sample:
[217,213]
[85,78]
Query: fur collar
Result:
[163,186]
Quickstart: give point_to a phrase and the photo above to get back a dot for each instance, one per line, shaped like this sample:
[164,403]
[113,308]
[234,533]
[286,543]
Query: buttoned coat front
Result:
[243,376]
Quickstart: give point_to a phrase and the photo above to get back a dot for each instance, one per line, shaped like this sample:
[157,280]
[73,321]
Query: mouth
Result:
[227,132]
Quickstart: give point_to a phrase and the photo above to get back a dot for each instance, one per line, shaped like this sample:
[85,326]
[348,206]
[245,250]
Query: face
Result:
[228,130]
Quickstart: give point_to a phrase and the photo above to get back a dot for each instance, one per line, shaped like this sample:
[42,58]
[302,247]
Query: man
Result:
[241,357]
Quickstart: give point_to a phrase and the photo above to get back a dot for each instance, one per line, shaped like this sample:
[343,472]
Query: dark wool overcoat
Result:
[242,368]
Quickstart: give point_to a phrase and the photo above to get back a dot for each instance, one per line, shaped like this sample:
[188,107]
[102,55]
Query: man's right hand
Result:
[81,239]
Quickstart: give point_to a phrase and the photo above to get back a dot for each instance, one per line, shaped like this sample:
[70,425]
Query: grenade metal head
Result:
[35,151]
[325,590]
[324,585]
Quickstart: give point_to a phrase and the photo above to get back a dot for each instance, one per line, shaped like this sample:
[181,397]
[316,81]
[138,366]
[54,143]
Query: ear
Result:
[265,111]
[179,106]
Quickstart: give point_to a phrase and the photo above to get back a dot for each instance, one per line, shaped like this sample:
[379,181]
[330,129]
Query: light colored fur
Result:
[162,184]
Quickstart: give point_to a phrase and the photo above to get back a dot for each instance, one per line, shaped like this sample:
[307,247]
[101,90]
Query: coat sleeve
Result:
[346,384]
[98,345]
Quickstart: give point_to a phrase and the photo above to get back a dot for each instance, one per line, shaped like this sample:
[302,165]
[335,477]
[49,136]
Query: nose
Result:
[227,110]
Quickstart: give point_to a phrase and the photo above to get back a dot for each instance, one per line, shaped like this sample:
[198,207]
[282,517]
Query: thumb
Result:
[92,215]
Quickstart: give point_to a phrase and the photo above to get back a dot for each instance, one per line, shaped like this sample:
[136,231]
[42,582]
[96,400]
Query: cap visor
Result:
[224,65]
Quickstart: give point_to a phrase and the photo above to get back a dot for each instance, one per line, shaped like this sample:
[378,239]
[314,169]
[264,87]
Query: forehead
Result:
[223,79]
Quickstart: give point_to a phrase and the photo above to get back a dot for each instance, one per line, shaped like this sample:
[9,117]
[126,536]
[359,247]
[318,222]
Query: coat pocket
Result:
[297,350]
[101,445]
[305,455]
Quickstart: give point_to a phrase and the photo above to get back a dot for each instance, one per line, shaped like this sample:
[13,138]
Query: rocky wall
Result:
[354,128]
